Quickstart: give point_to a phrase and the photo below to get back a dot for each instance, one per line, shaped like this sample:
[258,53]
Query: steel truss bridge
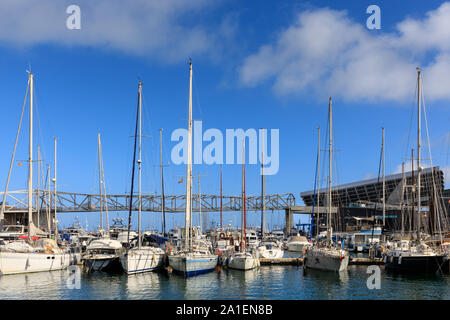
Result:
[16,201]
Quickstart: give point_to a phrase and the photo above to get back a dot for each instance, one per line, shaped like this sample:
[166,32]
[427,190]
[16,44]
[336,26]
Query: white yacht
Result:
[148,257]
[30,252]
[40,255]
[247,257]
[327,257]
[297,243]
[190,261]
[270,249]
[103,255]
[243,261]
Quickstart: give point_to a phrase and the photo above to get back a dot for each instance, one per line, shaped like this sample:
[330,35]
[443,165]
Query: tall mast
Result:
[384,184]
[140,164]
[413,191]
[199,202]
[419,208]
[318,182]
[189,164]
[330,232]
[132,174]
[105,201]
[38,187]
[163,200]
[263,192]
[100,180]
[243,222]
[54,180]
[49,201]
[30,161]
[103,198]
[402,198]
[221,196]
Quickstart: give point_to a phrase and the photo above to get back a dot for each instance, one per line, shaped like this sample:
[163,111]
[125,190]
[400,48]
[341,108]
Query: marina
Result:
[167,170]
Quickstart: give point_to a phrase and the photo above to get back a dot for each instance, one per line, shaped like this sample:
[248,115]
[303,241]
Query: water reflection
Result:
[40,285]
[267,282]
[143,285]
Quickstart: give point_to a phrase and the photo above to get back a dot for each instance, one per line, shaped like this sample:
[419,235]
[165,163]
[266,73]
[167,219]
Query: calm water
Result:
[267,282]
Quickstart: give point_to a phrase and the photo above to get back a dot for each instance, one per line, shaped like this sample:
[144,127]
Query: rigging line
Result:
[40,135]
[431,163]
[196,93]
[412,112]
[2,209]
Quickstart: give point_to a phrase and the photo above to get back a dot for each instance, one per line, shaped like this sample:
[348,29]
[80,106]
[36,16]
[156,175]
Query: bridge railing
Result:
[79,202]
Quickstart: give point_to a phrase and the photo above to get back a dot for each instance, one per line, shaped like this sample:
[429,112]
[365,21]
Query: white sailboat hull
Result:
[274,253]
[325,259]
[16,262]
[101,262]
[191,265]
[296,246]
[243,262]
[142,260]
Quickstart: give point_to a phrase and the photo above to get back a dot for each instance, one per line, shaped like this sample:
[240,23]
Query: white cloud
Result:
[325,52]
[168,29]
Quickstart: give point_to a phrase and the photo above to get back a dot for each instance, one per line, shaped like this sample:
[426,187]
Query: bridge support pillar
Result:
[289,220]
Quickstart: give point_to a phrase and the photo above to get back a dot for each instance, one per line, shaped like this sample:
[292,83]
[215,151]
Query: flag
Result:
[181,181]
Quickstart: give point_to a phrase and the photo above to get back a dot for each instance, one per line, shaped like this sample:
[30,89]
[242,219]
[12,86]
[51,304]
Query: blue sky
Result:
[256,64]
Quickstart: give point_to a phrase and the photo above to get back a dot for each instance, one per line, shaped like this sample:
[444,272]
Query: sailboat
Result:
[103,254]
[243,259]
[415,256]
[142,254]
[267,248]
[190,261]
[35,253]
[327,257]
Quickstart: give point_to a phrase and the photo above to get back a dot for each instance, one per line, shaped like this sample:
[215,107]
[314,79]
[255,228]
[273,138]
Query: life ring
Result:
[222,235]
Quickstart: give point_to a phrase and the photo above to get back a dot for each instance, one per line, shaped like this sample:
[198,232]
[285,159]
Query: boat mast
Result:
[243,235]
[402,198]
[199,202]
[330,232]
[30,161]
[221,196]
[54,180]
[132,174]
[412,223]
[263,192]
[100,181]
[163,200]
[189,165]
[105,201]
[384,184]
[139,165]
[419,208]
[318,182]
[49,201]
[245,206]
[38,186]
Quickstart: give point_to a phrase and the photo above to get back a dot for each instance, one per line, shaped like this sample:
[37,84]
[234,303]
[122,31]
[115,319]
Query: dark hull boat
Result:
[417,264]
